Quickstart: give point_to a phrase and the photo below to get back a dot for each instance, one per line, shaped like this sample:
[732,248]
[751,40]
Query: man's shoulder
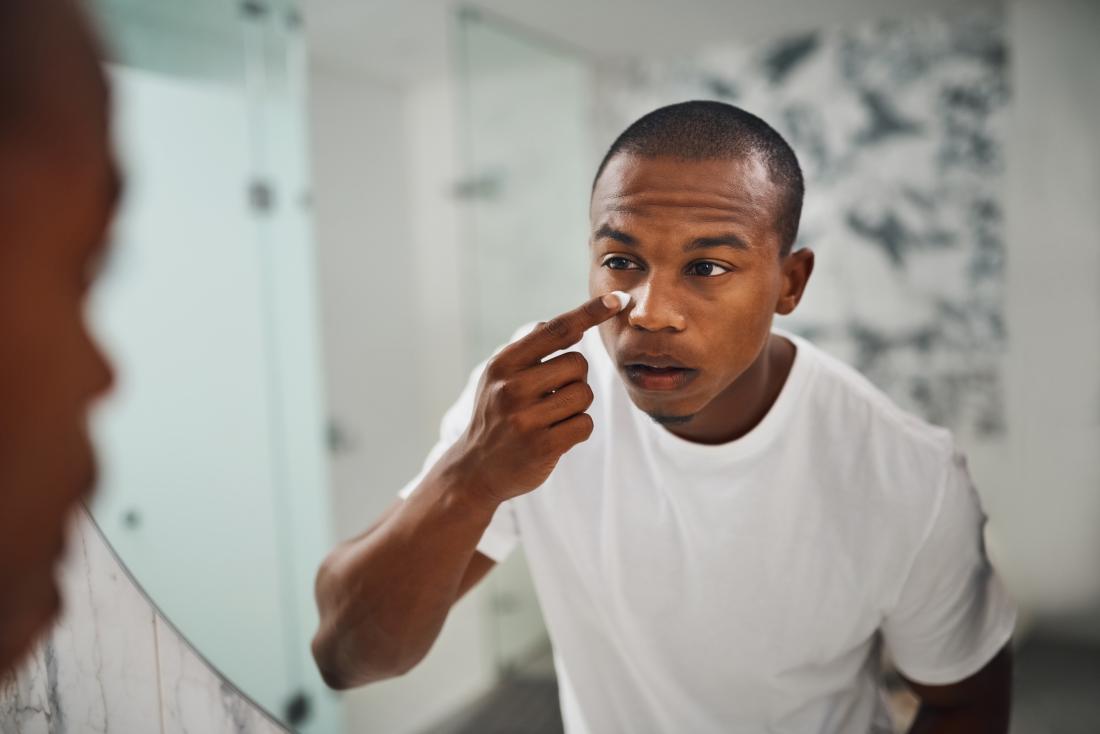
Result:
[845,397]
[894,461]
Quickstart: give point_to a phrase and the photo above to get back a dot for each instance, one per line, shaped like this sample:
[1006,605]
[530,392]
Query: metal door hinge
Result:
[253,8]
[261,196]
[298,708]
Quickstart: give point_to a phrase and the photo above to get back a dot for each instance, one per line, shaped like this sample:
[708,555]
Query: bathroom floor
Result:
[1057,691]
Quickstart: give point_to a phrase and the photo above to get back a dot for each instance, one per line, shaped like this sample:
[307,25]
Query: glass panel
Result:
[524,106]
[276,80]
[197,40]
[213,486]
[184,289]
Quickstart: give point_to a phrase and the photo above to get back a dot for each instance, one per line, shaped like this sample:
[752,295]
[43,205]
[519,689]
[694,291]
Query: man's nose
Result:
[656,307]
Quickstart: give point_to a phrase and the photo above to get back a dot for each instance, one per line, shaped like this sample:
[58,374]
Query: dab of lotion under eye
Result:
[624,298]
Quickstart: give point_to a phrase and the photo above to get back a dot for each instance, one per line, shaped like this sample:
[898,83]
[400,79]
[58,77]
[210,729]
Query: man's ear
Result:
[797,268]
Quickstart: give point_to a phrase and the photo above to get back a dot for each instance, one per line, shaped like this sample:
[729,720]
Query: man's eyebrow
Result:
[608,232]
[725,240]
[700,243]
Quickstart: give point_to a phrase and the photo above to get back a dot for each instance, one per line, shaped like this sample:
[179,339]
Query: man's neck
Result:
[742,405]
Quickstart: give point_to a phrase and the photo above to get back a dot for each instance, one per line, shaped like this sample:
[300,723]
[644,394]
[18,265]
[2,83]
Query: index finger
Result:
[564,330]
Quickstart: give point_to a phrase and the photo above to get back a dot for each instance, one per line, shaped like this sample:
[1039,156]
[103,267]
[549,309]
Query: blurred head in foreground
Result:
[58,191]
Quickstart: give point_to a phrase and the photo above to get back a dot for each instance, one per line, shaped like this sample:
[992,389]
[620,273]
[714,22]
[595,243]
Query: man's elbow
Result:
[330,673]
[343,665]
[348,657]
[349,648]
[333,646]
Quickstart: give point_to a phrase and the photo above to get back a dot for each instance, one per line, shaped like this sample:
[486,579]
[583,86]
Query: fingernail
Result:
[616,300]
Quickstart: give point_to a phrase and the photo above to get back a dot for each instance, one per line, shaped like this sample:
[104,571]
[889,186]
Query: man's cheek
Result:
[608,331]
[752,305]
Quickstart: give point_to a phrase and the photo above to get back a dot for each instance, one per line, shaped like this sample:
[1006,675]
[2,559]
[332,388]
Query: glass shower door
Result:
[527,166]
[213,477]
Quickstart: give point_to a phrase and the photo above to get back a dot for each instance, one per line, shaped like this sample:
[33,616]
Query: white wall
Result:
[387,230]
[1051,517]
[368,275]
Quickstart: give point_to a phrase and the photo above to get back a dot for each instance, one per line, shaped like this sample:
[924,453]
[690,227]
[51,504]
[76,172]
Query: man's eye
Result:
[618,263]
[707,269]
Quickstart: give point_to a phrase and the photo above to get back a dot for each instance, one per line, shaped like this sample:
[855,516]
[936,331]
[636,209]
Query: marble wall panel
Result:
[113,665]
[900,129]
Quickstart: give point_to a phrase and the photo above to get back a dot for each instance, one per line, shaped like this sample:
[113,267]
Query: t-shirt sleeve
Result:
[953,613]
[502,534]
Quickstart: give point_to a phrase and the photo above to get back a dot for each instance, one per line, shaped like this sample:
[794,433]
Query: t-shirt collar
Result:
[762,435]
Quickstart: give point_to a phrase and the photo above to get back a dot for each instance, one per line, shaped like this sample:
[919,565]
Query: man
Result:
[58,189]
[736,527]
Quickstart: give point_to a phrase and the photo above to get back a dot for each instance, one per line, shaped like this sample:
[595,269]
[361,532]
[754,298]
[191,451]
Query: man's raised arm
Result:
[383,596]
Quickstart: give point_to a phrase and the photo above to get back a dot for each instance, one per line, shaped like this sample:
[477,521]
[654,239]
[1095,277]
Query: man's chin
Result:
[25,623]
[667,414]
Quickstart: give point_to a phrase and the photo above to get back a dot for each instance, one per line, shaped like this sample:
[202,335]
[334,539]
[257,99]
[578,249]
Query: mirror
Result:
[212,448]
[334,213]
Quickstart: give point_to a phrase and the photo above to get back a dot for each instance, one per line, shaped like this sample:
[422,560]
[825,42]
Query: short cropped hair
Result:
[707,130]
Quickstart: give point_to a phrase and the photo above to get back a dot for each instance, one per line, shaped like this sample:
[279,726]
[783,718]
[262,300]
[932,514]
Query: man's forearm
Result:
[990,718]
[983,719]
[383,597]
[980,704]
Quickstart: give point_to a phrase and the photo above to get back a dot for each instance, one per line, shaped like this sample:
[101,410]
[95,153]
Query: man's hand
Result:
[530,412]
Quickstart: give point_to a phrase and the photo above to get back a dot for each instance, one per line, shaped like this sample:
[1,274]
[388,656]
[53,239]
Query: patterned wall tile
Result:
[196,699]
[97,671]
[900,130]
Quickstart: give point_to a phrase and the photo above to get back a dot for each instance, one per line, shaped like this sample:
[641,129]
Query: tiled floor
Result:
[517,706]
[1057,691]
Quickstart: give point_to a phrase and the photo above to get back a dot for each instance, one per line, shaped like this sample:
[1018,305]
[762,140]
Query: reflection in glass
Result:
[213,474]
[528,163]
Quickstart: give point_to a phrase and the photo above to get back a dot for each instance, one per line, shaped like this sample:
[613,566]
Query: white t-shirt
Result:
[749,586]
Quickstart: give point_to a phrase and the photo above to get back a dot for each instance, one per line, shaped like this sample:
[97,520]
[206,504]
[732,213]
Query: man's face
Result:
[696,246]
[58,190]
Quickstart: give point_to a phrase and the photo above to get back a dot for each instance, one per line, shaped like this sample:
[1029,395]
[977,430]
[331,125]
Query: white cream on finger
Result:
[624,298]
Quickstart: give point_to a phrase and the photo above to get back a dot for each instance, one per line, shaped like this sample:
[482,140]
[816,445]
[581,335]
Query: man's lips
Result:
[657,372]
[657,361]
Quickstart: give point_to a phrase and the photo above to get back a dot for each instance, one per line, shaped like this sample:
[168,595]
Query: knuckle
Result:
[583,394]
[578,362]
[582,428]
[507,391]
[570,396]
[561,401]
[586,424]
[557,327]
[495,390]
[493,369]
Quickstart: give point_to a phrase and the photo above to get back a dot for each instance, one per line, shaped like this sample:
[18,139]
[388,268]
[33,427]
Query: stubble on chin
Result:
[670,420]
